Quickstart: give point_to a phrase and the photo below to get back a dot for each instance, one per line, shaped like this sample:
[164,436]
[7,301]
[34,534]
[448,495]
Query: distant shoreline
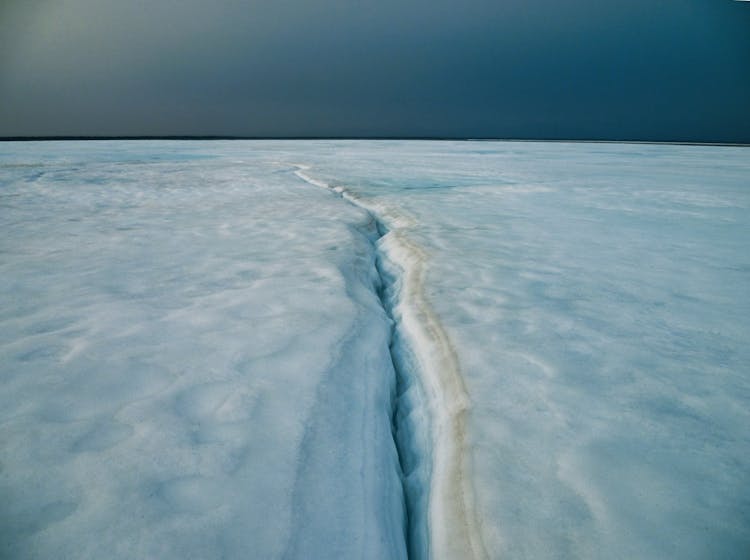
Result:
[370,138]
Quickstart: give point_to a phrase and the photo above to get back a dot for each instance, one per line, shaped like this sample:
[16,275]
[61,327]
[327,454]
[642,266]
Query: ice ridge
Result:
[430,404]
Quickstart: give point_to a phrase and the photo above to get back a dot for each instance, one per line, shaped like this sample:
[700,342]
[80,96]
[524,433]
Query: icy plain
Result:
[349,349]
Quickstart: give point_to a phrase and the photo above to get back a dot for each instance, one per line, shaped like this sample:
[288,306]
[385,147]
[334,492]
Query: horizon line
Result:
[54,138]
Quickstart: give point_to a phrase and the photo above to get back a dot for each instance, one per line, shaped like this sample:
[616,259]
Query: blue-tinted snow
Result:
[194,361]
[598,298]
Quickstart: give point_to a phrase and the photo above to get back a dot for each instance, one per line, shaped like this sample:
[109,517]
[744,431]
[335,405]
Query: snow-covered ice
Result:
[194,350]
[598,298]
[194,364]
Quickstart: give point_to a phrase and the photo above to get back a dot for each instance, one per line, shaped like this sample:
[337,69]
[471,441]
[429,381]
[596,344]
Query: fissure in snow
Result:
[429,406]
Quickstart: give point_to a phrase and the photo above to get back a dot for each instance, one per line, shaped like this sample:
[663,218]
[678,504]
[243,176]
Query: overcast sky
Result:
[577,69]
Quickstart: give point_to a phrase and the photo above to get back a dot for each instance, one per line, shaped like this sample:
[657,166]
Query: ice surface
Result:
[194,360]
[598,298]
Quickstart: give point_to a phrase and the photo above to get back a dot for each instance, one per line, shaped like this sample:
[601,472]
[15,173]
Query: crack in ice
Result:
[430,408]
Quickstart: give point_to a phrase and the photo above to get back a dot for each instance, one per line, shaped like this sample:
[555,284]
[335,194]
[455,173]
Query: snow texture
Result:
[197,349]
[194,362]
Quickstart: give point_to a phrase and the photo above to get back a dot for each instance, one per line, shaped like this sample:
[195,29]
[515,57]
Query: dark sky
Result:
[579,69]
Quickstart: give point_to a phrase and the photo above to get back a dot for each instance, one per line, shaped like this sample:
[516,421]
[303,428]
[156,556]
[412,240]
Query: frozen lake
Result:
[374,349]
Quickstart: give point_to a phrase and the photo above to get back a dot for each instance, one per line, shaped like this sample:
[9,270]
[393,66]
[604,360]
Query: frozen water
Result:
[194,356]
[194,362]
[598,298]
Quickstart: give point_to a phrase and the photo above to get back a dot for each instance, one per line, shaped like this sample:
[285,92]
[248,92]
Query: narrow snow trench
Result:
[429,407]
[406,407]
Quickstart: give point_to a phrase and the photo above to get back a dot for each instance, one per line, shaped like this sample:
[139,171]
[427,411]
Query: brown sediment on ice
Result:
[453,524]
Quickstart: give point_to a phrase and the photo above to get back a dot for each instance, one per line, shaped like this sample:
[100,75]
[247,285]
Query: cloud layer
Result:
[674,70]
